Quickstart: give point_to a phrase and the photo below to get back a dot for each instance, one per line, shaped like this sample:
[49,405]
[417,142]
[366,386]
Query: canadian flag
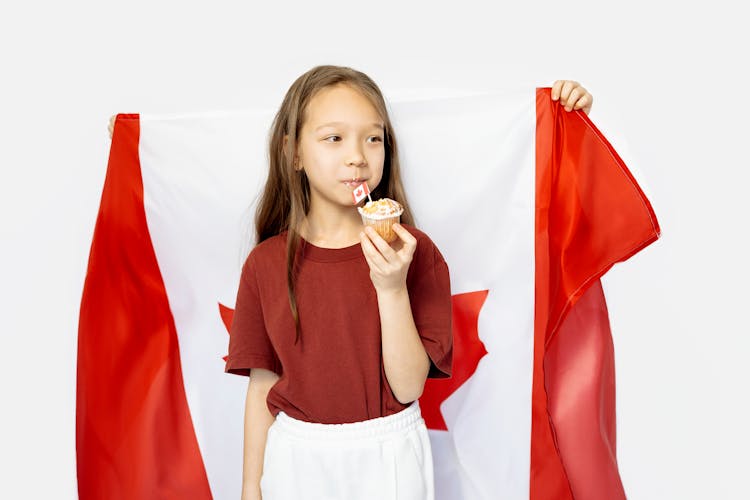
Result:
[529,204]
[360,192]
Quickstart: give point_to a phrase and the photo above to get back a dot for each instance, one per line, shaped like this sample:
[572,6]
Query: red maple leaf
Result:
[467,351]
[226,313]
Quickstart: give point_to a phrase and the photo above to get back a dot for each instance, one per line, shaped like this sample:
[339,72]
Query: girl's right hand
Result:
[111,126]
[388,264]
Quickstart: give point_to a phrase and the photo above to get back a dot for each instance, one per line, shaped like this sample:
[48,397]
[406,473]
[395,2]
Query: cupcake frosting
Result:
[381,209]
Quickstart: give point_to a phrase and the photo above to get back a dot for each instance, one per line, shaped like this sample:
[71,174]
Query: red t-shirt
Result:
[335,373]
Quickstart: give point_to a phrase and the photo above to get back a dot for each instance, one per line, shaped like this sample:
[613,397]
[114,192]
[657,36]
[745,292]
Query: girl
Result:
[339,328]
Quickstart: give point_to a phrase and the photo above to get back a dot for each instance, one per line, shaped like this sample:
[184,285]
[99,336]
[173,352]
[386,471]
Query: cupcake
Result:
[381,215]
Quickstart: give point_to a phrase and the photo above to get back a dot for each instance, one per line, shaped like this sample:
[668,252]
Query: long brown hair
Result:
[286,196]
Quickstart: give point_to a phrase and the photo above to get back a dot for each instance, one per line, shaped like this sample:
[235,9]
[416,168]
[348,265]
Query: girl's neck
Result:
[332,229]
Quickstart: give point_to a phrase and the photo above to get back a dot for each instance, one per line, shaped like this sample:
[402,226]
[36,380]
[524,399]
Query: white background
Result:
[670,94]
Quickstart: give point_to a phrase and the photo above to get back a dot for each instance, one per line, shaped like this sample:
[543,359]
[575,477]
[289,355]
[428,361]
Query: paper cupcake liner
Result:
[384,227]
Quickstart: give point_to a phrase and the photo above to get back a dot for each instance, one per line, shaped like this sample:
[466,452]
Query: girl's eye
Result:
[377,138]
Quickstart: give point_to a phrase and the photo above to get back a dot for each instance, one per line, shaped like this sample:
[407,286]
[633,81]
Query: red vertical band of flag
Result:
[590,214]
[134,433]
[579,372]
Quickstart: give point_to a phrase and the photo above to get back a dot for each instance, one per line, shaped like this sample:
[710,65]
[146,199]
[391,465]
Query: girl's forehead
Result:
[341,106]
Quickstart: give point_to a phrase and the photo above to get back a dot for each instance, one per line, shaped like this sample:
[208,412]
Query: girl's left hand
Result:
[572,95]
[388,263]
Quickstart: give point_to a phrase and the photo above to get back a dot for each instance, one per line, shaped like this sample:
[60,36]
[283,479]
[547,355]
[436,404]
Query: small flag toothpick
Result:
[360,192]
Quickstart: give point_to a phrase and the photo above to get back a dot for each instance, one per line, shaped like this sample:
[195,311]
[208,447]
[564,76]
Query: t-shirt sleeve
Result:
[249,344]
[430,298]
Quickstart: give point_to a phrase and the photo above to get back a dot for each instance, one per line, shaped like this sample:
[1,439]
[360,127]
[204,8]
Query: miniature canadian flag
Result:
[360,193]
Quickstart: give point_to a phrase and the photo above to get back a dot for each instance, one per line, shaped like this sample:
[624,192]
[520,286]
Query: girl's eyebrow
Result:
[330,124]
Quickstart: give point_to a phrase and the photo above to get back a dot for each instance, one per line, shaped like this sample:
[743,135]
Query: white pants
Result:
[384,458]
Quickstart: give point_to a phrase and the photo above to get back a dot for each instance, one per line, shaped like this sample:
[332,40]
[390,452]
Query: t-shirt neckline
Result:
[321,254]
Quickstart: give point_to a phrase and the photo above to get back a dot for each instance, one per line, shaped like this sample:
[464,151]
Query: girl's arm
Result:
[257,421]
[405,360]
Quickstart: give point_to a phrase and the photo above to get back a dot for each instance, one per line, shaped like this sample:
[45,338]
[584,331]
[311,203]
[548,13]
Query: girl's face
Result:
[341,145]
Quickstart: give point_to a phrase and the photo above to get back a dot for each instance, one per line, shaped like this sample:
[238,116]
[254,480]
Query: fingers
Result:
[382,246]
[382,254]
[409,241]
[584,102]
[556,87]
[565,93]
[111,125]
[370,263]
[374,258]
[401,249]
[575,95]
[388,267]
[561,89]
[572,95]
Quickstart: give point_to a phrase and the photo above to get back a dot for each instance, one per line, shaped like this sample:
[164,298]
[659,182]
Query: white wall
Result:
[667,78]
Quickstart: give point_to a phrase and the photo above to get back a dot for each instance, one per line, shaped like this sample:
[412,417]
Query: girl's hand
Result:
[572,95]
[111,126]
[388,263]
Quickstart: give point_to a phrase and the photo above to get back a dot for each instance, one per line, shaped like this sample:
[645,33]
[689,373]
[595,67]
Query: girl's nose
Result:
[356,156]
[356,160]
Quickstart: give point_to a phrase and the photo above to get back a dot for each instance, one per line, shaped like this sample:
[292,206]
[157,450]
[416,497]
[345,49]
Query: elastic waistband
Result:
[404,420]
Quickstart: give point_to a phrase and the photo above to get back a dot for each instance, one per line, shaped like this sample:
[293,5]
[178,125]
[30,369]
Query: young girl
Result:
[339,328]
